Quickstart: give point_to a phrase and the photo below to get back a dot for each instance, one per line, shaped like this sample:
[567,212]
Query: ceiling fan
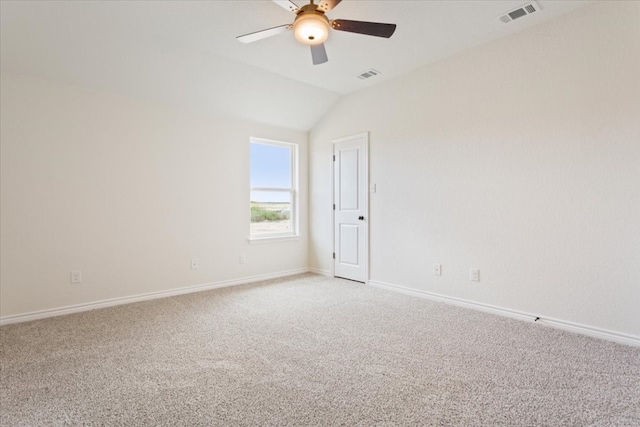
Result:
[311,26]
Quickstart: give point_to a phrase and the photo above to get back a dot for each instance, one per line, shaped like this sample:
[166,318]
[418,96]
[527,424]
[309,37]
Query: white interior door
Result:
[351,207]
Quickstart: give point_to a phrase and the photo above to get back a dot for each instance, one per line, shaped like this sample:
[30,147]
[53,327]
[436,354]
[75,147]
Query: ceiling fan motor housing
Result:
[311,27]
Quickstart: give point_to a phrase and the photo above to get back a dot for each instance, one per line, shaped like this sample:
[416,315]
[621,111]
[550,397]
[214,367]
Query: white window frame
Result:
[293,191]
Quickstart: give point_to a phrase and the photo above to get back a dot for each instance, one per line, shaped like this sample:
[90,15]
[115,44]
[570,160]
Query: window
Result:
[273,184]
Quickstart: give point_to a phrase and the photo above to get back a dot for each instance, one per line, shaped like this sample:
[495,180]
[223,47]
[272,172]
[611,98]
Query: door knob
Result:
[361,218]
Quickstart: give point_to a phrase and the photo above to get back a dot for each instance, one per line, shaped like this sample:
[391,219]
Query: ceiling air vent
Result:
[525,10]
[368,74]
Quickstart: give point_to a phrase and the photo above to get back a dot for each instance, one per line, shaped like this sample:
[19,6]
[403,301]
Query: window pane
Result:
[270,166]
[270,212]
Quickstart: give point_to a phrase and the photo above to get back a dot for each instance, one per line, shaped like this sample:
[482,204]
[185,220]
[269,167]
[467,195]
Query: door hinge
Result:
[334,255]
[334,206]
[334,158]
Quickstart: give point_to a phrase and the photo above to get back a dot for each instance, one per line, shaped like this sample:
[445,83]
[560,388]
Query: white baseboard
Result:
[320,272]
[34,315]
[515,314]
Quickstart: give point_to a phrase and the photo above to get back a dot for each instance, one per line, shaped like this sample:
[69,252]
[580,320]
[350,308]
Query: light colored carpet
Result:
[309,350]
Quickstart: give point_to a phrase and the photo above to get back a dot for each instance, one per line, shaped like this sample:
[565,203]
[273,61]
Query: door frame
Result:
[334,142]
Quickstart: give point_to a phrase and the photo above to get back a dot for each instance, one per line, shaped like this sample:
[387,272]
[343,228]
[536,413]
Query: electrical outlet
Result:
[474,274]
[76,276]
[243,259]
[195,264]
[437,269]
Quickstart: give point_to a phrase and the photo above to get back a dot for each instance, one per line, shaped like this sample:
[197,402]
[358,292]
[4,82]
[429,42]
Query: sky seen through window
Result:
[270,168]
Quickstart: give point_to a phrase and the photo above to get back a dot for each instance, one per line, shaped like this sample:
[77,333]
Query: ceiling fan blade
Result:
[369,28]
[263,34]
[327,5]
[318,54]
[286,4]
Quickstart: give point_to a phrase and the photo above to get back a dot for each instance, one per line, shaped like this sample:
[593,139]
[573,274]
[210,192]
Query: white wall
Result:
[128,192]
[521,158]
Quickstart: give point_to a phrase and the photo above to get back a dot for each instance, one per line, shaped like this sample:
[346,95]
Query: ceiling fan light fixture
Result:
[311,28]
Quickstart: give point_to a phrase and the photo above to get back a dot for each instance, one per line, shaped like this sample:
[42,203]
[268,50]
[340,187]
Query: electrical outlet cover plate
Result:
[76,276]
[437,269]
[474,275]
[195,264]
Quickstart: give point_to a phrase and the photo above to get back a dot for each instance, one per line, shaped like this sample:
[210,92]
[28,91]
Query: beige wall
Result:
[128,192]
[521,158]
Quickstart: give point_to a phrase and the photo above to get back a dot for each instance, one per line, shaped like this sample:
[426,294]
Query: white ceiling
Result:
[185,52]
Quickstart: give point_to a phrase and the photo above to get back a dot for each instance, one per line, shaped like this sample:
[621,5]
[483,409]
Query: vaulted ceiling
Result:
[185,53]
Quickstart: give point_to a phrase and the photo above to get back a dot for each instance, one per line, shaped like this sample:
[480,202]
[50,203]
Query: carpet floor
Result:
[309,350]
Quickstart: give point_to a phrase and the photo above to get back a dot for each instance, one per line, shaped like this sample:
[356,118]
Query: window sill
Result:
[274,239]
